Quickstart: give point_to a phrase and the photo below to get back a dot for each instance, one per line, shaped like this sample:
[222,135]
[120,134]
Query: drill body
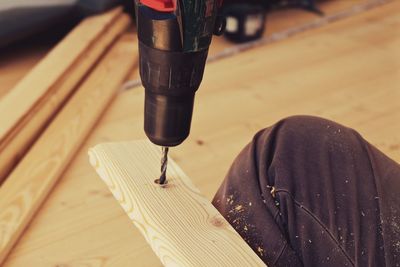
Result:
[174,36]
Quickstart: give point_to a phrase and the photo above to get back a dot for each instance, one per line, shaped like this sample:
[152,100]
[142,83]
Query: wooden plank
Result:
[345,71]
[35,100]
[28,185]
[182,226]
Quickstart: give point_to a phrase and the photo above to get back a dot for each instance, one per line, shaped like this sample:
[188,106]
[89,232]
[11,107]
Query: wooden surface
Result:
[348,71]
[182,226]
[37,97]
[28,185]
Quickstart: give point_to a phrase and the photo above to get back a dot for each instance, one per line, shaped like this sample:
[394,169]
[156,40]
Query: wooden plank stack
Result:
[31,105]
[52,111]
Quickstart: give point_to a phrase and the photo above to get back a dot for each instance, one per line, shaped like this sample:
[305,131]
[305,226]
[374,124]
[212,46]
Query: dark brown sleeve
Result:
[308,191]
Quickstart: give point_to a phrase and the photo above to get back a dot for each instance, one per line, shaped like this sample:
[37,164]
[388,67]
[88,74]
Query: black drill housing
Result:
[170,76]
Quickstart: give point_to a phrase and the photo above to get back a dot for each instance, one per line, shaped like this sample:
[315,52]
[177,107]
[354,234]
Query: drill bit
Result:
[164,162]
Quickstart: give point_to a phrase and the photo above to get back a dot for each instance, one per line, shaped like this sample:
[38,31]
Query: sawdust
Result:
[395,225]
[260,251]
[229,199]
[239,216]
[239,208]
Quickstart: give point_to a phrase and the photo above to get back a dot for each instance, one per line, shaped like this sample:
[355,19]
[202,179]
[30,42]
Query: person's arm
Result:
[311,192]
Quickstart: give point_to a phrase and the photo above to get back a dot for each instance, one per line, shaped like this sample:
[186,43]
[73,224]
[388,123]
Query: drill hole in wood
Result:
[157,182]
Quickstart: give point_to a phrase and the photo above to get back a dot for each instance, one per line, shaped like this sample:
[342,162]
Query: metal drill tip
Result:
[164,164]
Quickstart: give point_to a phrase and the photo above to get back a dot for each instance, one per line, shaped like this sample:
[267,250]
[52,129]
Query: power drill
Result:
[174,37]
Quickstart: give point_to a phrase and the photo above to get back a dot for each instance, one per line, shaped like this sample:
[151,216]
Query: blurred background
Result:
[29,29]
[21,18]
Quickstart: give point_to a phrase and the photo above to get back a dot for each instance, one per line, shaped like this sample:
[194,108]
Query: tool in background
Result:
[244,22]
[174,37]
[246,19]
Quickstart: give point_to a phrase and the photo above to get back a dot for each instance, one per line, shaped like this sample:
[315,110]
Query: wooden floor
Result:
[348,71]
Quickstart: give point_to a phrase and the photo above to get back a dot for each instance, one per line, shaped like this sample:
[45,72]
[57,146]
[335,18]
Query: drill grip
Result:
[171,73]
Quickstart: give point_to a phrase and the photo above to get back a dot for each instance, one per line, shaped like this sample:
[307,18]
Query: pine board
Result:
[182,226]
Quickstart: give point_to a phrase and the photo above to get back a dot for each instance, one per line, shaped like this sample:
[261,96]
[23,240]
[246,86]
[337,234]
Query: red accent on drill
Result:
[160,5]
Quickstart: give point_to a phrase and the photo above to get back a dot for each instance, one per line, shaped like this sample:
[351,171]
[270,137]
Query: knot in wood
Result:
[217,221]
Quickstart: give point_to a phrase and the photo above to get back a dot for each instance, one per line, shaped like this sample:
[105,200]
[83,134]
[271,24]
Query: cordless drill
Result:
[174,37]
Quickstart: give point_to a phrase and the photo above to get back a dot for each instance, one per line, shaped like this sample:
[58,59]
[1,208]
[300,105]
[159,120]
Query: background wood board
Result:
[347,71]
[74,45]
[182,227]
[28,185]
[35,100]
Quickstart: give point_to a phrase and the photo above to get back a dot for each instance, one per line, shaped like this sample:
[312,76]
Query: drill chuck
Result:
[167,119]
[170,80]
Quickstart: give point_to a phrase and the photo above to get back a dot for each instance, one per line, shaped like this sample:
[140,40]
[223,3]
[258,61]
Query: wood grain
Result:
[29,184]
[37,97]
[182,226]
